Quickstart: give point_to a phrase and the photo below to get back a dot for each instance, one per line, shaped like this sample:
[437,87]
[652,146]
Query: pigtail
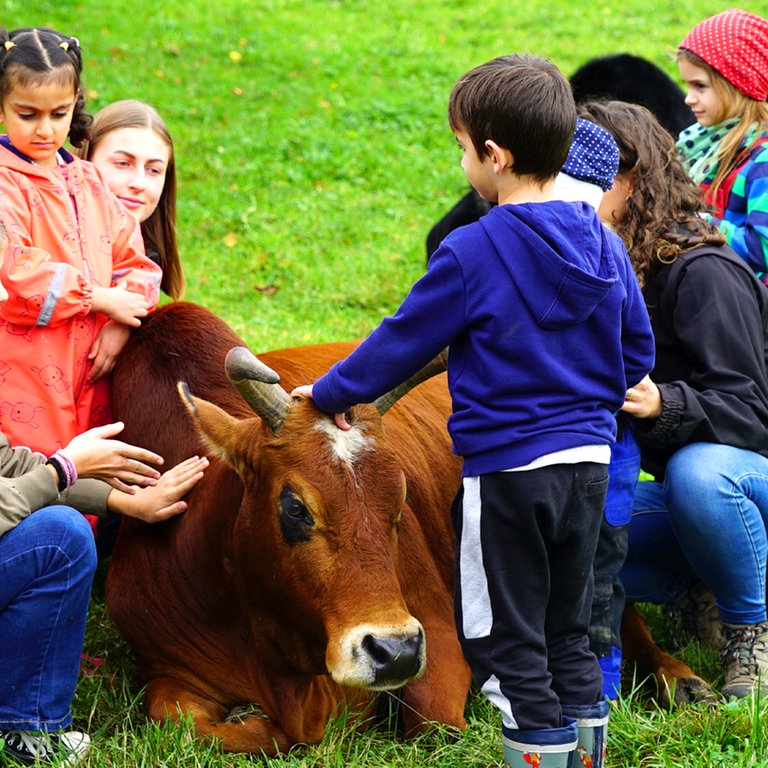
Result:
[81,118]
[6,45]
[80,127]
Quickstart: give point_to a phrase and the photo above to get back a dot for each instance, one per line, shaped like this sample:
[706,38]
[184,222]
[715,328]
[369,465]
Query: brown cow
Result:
[312,568]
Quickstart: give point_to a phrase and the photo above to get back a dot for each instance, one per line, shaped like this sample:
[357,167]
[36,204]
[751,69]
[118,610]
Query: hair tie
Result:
[9,44]
[64,45]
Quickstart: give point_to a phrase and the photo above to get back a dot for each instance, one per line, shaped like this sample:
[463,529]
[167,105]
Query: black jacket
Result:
[709,315]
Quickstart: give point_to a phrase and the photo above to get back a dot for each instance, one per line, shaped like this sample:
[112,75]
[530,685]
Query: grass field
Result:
[313,155]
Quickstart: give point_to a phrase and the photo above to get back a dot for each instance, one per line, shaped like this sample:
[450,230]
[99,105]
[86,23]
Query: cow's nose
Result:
[394,659]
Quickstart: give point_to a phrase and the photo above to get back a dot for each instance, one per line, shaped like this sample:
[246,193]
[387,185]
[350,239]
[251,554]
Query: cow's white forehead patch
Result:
[346,445]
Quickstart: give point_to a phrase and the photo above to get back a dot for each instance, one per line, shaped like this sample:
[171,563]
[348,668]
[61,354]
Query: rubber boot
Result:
[592,722]
[611,666]
[545,748]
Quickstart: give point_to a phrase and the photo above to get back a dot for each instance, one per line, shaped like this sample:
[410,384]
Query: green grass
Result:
[313,156]
[313,147]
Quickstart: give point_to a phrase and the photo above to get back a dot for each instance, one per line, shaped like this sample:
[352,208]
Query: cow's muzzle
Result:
[376,657]
[394,660]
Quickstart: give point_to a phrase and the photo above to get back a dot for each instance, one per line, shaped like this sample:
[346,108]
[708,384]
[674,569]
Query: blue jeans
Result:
[47,564]
[707,521]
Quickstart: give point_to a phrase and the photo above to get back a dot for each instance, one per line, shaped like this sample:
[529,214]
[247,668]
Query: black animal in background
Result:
[630,78]
[620,76]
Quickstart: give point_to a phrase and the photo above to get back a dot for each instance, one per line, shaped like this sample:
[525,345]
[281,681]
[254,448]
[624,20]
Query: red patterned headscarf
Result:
[735,43]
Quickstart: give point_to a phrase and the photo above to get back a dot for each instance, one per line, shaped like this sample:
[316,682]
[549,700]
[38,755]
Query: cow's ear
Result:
[216,427]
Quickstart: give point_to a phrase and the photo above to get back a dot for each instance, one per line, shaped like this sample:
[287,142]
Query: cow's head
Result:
[317,531]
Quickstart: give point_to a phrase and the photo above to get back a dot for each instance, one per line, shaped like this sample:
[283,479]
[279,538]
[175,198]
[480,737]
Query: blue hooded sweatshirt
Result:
[546,326]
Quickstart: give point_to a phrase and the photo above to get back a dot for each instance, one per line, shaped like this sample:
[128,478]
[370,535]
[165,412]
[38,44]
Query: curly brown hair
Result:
[663,217]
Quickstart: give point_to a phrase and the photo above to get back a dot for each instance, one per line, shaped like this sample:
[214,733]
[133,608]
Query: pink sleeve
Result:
[40,291]
[130,264]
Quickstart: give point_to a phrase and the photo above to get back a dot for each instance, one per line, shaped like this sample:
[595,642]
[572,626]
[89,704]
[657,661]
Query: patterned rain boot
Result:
[592,722]
[545,748]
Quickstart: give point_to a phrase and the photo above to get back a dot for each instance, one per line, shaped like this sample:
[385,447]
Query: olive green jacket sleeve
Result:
[26,484]
[87,495]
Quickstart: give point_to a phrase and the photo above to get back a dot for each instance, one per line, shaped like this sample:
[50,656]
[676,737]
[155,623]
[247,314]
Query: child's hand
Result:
[121,305]
[118,463]
[159,502]
[305,391]
[108,345]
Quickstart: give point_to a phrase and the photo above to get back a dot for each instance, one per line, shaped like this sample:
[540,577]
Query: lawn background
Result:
[313,156]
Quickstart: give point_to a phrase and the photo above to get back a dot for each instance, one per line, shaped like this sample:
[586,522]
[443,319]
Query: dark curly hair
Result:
[663,217]
[32,56]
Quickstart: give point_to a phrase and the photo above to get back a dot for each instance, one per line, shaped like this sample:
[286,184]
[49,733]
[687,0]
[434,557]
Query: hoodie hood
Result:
[573,269]
[18,161]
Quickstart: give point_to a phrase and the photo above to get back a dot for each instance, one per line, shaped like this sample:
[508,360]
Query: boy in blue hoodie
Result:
[547,329]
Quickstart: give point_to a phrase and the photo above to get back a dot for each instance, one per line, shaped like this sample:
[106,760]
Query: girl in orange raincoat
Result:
[75,268]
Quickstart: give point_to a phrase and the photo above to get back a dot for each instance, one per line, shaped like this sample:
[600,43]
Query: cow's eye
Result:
[295,519]
[294,508]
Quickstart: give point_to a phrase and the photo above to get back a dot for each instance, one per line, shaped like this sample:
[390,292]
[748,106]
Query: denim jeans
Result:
[47,564]
[708,520]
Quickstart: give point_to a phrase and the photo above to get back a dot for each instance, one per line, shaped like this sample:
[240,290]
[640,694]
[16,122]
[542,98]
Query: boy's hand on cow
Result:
[643,400]
[120,304]
[159,502]
[109,343]
[118,463]
[305,391]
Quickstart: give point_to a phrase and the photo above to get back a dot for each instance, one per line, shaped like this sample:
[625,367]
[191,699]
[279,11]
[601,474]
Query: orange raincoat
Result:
[67,233]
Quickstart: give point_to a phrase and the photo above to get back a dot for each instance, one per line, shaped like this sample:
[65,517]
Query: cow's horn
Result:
[437,365]
[259,386]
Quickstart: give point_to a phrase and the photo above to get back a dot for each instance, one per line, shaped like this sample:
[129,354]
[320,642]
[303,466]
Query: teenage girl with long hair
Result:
[132,147]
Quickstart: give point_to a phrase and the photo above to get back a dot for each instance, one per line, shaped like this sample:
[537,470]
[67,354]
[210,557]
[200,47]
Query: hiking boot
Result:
[694,614]
[35,747]
[745,657]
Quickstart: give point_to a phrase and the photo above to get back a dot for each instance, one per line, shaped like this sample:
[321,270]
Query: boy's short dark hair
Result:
[524,104]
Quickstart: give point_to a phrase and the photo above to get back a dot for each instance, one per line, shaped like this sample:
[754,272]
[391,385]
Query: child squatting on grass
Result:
[546,330]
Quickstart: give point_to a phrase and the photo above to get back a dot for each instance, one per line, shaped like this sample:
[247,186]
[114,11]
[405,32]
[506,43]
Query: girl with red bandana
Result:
[724,62]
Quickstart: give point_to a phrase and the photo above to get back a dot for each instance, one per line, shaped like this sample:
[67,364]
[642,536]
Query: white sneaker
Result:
[29,747]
